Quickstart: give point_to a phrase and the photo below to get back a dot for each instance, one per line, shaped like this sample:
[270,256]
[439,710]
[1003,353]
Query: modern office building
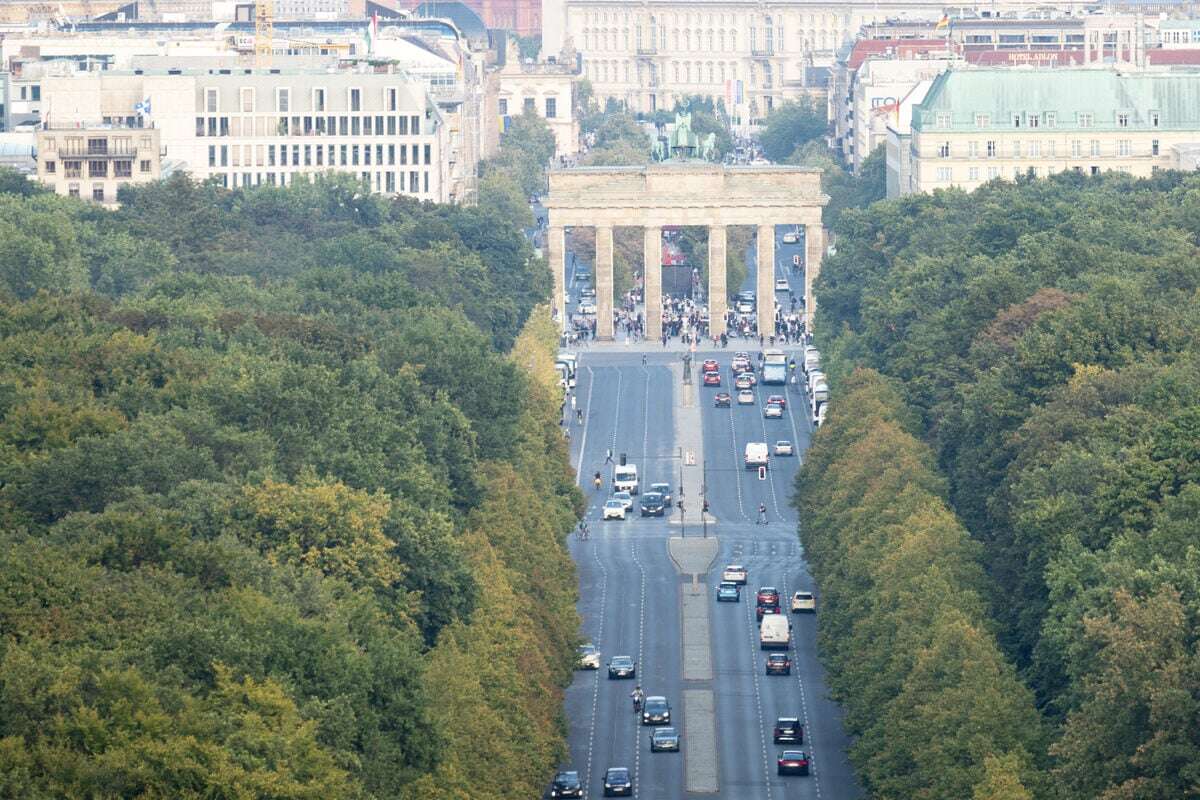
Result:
[248,127]
[974,125]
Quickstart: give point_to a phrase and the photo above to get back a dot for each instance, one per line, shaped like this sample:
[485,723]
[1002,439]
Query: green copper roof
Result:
[1067,93]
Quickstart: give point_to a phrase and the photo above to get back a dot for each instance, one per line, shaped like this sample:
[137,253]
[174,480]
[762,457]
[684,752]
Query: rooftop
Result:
[903,48]
[1103,93]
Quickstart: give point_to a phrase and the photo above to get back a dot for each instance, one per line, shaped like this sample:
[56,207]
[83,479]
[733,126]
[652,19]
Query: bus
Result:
[774,367]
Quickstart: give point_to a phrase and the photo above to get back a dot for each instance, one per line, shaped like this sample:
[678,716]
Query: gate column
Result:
[717,241]
[765,292]
[652,281]
[814,248]
[555,253]
[604,282]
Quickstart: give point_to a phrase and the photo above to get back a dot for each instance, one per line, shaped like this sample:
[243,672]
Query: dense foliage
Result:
[1045,332]
[926,690]
[790,126]
[526,147]
[283,499]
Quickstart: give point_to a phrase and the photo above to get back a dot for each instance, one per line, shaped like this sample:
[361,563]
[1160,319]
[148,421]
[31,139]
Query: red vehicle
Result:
[711,366]
[723,400]
[768,595]
[778,398]
[793,762]
[712,379]
[779,664]
[766,608]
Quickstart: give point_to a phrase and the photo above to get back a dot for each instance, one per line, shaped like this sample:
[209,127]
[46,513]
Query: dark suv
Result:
[789,730]
[653,504]
[779,664]
[566,784]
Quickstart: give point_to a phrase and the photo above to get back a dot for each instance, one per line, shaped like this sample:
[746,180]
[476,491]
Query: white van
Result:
[821,409]
[625,478]
[756,455]
[814,377]
[775,632]
[812,359]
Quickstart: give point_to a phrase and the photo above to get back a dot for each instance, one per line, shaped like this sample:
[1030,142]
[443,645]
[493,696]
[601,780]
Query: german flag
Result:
[942,23]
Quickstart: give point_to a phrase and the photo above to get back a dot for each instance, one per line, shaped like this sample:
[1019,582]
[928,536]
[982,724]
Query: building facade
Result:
[547,90]
[256,127]
[95,162]
[978,124]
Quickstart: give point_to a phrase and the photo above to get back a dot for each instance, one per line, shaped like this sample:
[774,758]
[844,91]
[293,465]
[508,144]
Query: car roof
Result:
[569,774]
[667,731]
[613,502]
[622,658]
[734,566]
[804,594]
[767,589]
[777,655]
[657,698]
[792,754]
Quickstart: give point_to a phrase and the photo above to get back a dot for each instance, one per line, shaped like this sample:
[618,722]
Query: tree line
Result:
[1040,338]
[283,498]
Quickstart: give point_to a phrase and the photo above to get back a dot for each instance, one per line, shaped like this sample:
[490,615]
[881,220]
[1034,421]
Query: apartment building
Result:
[249,127]
[545,89]
[95,162]
[978,124]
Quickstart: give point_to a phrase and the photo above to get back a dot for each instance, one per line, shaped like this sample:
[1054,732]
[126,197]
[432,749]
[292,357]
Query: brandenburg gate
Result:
[685,193]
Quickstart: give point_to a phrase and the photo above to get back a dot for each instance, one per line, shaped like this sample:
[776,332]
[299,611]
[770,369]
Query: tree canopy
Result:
[791,125]
[1041,335]
[284,498]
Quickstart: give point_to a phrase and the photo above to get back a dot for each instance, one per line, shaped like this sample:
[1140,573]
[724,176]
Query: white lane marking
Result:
[612,441]
[587,417]
[754,667]
[737,467]
[599,643]
[645,417]
[762,420]
[809,747]
[637,722]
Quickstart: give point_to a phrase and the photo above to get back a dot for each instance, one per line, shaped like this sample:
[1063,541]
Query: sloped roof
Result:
[1001,93]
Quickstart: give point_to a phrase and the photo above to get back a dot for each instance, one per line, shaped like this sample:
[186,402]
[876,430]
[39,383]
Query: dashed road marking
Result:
[809,747]
[586,419]
[737,472]
[762,736]
[637,748]
[599,643]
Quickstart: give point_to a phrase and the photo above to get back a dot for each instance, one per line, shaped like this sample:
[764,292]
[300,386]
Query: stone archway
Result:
[688,193]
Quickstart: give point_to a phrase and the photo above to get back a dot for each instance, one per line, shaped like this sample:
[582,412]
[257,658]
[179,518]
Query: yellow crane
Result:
[264,17]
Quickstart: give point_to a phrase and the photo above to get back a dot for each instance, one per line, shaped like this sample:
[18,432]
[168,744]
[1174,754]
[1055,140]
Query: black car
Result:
[788,730]
[664,739]
[617,782]
[621,667]
[653,504]
[566,784]
[656,711]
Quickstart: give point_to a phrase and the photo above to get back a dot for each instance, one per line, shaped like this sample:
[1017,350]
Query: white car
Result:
[791,237]
[614,509]
[783,448]
[587,307]
[589,656]
[626,499]
[804,602]
[734,573]
[773,411]
[782,285]
[745,397]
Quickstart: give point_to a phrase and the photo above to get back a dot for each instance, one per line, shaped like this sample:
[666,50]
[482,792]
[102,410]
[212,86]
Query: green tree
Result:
[791,125]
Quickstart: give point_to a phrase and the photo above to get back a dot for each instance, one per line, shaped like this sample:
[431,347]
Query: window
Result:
[1016,120]
[973,173]
[530,105]
[144,165]
[1122,120]
[1153,148]
[368,128]
[551,107]
[1035,150]
[343,126]
[416,125]
[318,100]
[1016,149]
[210,100]
[1095,147]
[212,155]
[991,148]
[503,107]
[98,192]
[355,126]
[73,169]
[97,169]
[428,153]
[51,167]
[973,149]
[1076,148]
[1085,119]
[943,119]
[1033,120]
[73,189]
[283,100]
[944,150]
[356,99]
[414,184]
[944,174]
[1051,119]
[1095,170]
[1153,119]
[247,94]
[993,172]
[123,169]
[1124,147]
[983,120]
[1050,148]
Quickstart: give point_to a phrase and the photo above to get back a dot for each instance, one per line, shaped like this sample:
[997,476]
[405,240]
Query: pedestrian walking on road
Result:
[762,514]
[643,359]
[608,457]
[572,402]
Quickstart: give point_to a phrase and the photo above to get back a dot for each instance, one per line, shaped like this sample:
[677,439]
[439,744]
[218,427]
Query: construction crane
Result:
[264,17]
